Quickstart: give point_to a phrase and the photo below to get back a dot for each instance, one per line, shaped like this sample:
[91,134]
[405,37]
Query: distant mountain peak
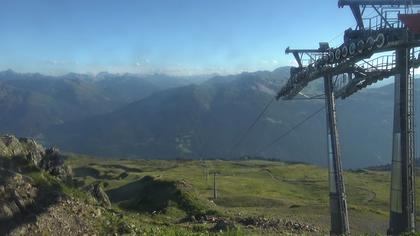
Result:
[7,72]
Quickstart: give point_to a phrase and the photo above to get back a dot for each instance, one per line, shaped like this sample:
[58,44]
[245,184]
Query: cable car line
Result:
[264,148]
[245,134]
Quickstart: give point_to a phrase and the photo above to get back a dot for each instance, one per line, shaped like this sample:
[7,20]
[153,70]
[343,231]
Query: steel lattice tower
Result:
[394,31]
[402,199]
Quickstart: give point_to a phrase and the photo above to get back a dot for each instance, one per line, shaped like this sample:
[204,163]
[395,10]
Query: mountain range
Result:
[166,117]
[31,102]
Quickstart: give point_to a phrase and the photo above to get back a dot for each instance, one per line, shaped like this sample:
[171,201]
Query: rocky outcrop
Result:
[278,225]
[18,152]
[99,194]
[17,194]
[223,225]
[26,148]
[53,163]
[68,216]
[21,159]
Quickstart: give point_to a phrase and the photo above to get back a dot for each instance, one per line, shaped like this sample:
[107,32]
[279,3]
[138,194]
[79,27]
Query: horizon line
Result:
[151,73]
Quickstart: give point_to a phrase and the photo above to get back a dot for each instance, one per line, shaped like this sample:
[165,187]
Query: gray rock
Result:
[53,163]
[5,212]
[99,194]
[16,194]
[16,152]
[124,228]
[26,148]
[224,225]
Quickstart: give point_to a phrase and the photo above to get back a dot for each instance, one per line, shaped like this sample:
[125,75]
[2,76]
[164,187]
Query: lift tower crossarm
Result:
[342,3]
[362,80]
[298,53]
[355,9]
[301,76]
[355,6]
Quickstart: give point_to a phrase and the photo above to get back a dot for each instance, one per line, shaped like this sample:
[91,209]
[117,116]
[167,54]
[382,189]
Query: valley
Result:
[137,117]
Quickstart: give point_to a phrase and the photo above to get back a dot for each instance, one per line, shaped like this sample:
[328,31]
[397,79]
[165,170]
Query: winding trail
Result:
[369,198]
[371,195]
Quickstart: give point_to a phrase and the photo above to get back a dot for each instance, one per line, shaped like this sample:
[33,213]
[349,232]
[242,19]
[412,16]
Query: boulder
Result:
[99,194]
[16,153]
[53,163]
[26,148]
[223,225]
[17,194]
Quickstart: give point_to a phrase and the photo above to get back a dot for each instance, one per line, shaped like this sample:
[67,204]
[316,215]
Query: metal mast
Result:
[402,199]
[338,203]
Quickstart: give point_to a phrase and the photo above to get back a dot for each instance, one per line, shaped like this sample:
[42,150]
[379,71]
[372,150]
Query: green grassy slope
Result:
[251,188]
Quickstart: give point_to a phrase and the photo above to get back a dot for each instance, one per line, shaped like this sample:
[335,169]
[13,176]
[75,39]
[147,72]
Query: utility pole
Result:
[338,204]
[402,199]
[205,171]
[214,186]
[207,174]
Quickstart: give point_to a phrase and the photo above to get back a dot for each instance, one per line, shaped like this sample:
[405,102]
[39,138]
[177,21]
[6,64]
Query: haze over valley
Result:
[168,117]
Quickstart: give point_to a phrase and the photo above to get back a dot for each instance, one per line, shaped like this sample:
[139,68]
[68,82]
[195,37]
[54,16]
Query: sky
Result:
[182,37]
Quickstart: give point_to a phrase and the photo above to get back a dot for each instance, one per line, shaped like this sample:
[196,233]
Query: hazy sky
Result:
[170,36]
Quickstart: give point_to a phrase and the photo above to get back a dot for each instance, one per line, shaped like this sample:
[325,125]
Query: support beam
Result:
[297,58]
[355,9]
[338,204]
[342,3]
[402,199]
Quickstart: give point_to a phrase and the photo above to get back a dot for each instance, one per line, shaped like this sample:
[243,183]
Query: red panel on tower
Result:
[412,21]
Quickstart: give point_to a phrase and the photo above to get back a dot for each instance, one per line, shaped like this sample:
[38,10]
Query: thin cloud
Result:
[61,62]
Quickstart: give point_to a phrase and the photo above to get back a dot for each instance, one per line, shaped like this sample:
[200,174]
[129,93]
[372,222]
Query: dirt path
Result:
[271,174]
[290,180]
[370,194]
